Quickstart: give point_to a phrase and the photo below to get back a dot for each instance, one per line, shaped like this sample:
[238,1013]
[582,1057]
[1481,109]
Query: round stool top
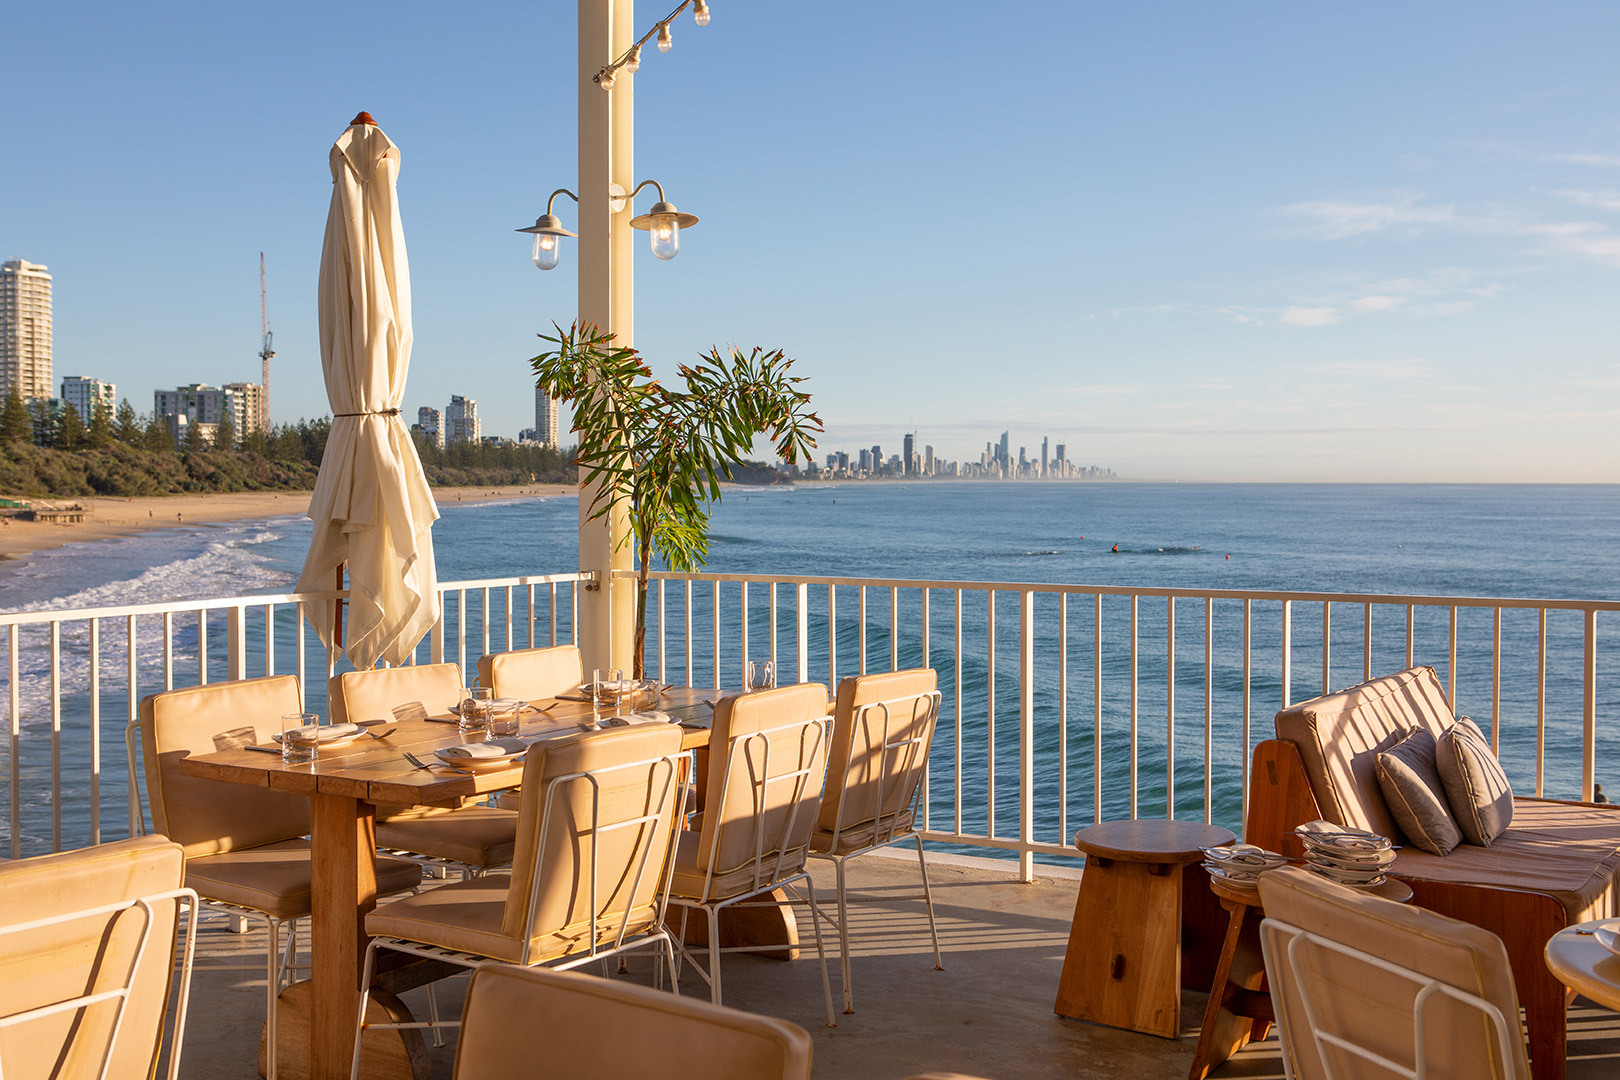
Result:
[1580,962]
[1249,893]
[1152,840]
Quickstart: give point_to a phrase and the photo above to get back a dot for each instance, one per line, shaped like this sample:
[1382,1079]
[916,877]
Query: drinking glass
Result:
[503,716]
[298,737]
[475,709]
[761,674]
[607,688]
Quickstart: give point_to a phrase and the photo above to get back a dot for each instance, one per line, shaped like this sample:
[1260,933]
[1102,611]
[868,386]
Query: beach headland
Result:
[108,518]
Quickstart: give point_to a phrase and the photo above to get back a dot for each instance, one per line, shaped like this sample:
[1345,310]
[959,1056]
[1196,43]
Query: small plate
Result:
[329,735]
[1608,937]
[482,763]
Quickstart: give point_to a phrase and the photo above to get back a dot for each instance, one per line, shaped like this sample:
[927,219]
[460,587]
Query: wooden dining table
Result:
[346,784]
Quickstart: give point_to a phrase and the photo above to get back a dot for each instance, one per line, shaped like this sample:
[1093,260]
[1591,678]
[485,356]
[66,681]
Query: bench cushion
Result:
[1341,735]
[1570,851]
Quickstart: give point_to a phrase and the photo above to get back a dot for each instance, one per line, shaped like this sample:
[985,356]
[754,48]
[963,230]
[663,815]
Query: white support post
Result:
[1026,734]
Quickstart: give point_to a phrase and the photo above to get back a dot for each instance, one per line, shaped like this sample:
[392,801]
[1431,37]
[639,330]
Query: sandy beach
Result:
[107,518]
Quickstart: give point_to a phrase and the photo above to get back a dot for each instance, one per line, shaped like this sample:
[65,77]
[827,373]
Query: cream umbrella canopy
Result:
[371,507]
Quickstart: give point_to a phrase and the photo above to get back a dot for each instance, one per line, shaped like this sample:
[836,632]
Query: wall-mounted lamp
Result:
[664,222]
[548,233]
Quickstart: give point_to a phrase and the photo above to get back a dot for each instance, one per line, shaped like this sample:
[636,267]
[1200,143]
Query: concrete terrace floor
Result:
[989,1013]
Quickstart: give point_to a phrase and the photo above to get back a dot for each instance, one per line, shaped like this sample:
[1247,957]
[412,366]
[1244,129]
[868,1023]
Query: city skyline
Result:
[1320,250]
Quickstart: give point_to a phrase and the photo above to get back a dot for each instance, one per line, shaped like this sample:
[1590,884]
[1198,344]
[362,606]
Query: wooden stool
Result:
[1239,1004]
[1124,967]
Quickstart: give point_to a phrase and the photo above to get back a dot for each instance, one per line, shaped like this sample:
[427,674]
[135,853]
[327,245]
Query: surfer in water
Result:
[1116,549]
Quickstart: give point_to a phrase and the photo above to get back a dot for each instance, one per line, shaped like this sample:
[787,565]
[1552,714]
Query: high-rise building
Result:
[1046,461]
[240,403]
[909,442]
[461,420]
[866,461]
[85,394]
[545,420]
[928,461]
[877,460]
[1062,460]
[1003,456]
[431,424]
[245,403]
[25,329]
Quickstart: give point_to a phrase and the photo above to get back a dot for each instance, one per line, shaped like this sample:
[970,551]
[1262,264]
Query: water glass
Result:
[503,716]
[607,687]
[299,735]
[761,674]
[475,708]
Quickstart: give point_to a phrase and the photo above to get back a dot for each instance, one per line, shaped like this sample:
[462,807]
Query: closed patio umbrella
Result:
[371,506]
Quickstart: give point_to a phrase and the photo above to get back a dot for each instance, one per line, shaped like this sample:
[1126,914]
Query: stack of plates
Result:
[1349,856]
[1241,864]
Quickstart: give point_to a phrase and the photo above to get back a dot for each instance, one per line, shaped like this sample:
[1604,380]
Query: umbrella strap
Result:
[384,412]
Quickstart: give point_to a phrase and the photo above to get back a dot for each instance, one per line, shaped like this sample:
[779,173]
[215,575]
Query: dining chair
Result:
[883,726]
[246,848]
[590,878]
[89,943]
[606,1029]
[471,838]
[767,765]
[531,674]
[1365,987]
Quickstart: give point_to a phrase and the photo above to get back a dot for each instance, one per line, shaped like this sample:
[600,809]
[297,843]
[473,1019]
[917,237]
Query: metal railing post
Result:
[1026,735]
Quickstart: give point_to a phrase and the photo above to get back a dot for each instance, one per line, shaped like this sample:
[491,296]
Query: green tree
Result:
[69,433]
[15,423]
[43,418]
[225,434]
[100,431]
[660,453]
[156,436]
[195,443]
[127,425]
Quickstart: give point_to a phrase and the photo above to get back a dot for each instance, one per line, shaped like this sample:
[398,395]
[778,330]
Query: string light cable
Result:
[630,59]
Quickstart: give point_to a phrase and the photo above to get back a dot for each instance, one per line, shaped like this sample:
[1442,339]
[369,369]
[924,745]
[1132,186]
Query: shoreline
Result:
[112,518]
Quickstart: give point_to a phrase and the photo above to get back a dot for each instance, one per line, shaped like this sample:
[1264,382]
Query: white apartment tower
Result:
[545,420]
[199,403]
[25,329]
[430,422]
[461,420]
[85,393]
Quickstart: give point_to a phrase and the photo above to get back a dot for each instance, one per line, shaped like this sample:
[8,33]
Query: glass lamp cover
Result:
[546,251]
[666,238]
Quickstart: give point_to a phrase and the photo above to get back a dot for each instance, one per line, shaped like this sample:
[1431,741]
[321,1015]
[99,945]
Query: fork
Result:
[418,762]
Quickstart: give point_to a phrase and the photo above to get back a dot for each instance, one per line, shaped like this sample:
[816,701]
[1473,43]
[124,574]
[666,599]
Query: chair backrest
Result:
[883,726]
[530,674]
[99,923]
[594,833]
[205,816]
[381,693]
[767,769]
[1349,968]
[605,1029]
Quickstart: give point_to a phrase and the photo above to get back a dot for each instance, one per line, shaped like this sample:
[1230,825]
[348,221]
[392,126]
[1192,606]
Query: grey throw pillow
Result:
[1416,796]
[1476,787]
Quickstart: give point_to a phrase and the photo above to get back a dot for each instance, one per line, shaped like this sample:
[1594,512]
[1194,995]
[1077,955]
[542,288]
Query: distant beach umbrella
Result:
[372,508]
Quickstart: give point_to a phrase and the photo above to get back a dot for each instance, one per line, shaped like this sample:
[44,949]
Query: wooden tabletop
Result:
[1582,964]
[1152,840]
[376,771]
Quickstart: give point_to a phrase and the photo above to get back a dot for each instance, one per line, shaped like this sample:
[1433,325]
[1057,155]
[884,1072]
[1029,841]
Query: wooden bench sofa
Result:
[1557,864]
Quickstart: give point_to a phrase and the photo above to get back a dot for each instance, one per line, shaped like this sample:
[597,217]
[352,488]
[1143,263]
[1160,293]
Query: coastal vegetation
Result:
[128,454]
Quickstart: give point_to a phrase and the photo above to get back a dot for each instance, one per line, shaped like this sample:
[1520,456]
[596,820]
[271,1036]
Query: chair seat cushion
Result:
[274,878]
[1570,851]
[866,834]
[467,916]
[689,873]
[478,836]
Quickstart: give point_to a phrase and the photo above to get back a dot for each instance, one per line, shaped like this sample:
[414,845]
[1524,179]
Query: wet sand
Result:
[108,518]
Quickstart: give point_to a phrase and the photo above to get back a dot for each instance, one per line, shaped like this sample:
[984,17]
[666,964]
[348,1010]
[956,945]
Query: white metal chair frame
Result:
[187,949]
[760,772]
[1277,953]
[884,833]
[670,797]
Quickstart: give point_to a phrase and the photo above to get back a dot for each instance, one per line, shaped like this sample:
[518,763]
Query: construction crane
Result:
[265,351]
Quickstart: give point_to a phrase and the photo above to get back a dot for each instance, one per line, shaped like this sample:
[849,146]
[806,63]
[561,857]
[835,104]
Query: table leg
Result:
[1239,1009]
[344,889]
[1123,965]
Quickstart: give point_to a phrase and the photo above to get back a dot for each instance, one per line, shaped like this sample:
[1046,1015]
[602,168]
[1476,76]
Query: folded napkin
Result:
[321,732]
[493,748]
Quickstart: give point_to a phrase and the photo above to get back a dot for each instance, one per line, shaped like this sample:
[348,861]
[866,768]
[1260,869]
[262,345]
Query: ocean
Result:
[1556,542]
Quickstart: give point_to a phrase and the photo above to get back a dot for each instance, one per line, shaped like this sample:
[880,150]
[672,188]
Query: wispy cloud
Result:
[1378,303]
[1309,316]
[1337,220]
[1603,200]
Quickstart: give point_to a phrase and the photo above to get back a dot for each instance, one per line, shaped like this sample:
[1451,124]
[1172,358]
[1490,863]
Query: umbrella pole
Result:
[337,615]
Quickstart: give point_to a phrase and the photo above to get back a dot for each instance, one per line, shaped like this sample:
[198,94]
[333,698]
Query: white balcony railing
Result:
[1063,704]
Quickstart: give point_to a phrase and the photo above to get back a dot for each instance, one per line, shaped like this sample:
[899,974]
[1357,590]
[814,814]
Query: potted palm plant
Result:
[661,452]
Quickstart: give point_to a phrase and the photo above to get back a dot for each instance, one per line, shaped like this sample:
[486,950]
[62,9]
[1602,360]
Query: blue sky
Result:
[1264,241]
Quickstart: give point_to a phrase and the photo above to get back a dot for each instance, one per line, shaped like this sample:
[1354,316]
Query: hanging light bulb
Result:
[604,78]
[664,224]
[548,233]
[664,39]
[546,251]
[666,239]
[700,13]
[632,63]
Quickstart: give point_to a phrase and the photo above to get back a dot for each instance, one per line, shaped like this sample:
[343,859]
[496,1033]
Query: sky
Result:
[1202,242]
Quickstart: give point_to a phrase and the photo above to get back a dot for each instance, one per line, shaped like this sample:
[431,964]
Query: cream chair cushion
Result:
[204,816]
[44,966]
[1372,1007]
[531,674]
[857,766]
[599,1029]
[374,695]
